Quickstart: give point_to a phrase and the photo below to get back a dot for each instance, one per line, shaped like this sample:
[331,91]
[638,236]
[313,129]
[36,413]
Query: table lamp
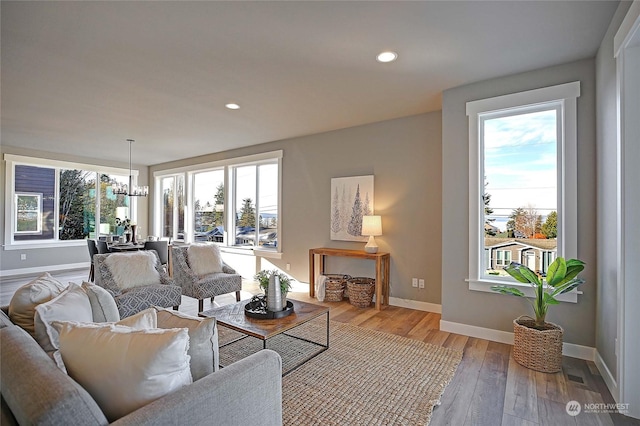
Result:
[371,226]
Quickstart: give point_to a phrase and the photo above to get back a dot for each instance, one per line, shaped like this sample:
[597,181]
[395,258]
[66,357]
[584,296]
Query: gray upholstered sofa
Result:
[34,391]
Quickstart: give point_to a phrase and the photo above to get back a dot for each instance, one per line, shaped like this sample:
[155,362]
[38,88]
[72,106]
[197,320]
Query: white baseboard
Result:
[41,269]
[415,304]
[569,349]
[608,378]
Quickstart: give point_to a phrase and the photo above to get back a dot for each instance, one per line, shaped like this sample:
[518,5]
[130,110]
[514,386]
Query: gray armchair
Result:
[207,286]
[133,300]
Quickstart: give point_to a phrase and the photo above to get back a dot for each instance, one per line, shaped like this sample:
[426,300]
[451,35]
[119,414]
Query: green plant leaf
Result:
[514,271]
[507,290]
[557,271]
[568,286]
[522,273]
[550,300]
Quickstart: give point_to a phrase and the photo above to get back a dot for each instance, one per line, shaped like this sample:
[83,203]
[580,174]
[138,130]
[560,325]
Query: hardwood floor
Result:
[489,387]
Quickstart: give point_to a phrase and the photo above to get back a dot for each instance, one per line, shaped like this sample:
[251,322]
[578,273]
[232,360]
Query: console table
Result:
[382,269]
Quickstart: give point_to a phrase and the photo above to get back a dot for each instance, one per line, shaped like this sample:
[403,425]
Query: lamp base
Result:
[371,246]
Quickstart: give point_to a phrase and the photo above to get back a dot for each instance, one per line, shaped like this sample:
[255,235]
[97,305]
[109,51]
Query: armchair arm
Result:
[182,273]
[227,269]
[222,397]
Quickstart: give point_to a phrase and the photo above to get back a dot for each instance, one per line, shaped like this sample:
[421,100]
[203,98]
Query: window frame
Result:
[228,166]
[12,160]
[38,197]
[565,96]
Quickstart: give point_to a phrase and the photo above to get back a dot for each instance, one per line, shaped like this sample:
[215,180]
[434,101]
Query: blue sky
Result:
[520,163]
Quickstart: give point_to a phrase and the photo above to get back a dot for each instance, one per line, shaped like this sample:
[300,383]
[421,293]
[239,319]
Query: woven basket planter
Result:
[539,350]
[361,291]
[334,287]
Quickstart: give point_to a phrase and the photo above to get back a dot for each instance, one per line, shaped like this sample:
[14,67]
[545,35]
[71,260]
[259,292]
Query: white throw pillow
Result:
[103,305]
[71,305]
[203,340]
[204,259]
[22,307]
[143,320]
[124,369]
[133,269]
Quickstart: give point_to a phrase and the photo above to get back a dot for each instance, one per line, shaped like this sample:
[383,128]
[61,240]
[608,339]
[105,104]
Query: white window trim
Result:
[191,170]
[567,95]
[11,160]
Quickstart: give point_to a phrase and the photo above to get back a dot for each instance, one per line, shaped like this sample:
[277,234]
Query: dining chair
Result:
[103,248]
[93,250]
[161,247]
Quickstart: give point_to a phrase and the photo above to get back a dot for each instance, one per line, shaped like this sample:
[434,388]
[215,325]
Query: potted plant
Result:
[537,343]
[123,227]
[263,281]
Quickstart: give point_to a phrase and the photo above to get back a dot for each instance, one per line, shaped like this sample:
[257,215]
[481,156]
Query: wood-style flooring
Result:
[489,387]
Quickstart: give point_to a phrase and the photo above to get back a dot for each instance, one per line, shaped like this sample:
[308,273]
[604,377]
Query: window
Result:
[172,221]
[523,179]
[503,258]
[234,203]
[28,214]
[57,202]
[209,202]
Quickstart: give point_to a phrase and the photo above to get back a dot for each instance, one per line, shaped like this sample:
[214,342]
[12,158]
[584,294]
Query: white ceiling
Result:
[81,77]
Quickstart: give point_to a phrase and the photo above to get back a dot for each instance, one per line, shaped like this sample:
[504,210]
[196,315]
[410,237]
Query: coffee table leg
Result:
[327,330]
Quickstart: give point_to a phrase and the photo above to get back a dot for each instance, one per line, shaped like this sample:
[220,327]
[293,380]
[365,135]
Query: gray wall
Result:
[607,154]
[404,155]
[495,311]
[44,257]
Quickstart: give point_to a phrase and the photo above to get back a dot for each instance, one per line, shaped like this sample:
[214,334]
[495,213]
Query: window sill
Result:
[485,285]
[252,252]
[32,245]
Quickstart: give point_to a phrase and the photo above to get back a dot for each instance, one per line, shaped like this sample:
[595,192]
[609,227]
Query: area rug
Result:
[366,377]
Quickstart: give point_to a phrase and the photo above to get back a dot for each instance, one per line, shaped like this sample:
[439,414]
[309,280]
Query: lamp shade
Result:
[371,225]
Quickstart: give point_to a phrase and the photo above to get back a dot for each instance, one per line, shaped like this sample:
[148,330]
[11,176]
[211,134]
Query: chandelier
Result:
[130,190]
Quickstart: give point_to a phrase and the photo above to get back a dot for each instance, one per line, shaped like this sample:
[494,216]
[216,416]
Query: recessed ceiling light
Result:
[387,56]
[233,106]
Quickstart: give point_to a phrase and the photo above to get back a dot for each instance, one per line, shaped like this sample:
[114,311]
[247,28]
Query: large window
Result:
[208,208]
[172,222]
[234,203]
[56,202]
[523,179]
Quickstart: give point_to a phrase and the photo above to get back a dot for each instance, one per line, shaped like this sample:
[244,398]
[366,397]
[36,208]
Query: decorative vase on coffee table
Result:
[274,295]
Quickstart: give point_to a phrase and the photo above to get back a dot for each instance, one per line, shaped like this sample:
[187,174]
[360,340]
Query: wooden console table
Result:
[382,269]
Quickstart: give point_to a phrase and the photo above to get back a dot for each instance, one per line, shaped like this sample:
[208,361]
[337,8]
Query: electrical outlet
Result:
[421,283]
[414,282]
[23,256]
[288,266]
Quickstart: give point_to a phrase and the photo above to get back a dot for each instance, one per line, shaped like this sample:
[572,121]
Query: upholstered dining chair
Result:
[103,247]
[161,247]
[137,281]
[93,250]
[200,271]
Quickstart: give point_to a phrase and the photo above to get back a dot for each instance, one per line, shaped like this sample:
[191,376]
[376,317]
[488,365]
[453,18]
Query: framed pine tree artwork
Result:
[351,198]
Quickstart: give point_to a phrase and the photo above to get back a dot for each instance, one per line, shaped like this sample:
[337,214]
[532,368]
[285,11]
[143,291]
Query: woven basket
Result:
[539,350]
[334,287]
[361,291]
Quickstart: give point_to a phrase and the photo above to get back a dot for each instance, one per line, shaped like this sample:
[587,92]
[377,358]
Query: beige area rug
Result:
[366,377]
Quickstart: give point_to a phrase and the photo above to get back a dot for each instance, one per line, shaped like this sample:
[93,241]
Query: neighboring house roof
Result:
[490,227]
[496,242]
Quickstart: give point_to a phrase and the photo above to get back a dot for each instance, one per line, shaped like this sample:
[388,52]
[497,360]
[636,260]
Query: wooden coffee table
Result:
[233,317]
